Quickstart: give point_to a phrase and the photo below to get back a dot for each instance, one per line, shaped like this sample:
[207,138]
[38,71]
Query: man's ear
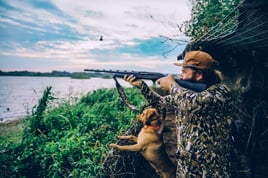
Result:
[198,76]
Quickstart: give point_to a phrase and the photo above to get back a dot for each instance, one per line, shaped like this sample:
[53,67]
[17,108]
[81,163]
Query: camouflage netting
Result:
[242,54]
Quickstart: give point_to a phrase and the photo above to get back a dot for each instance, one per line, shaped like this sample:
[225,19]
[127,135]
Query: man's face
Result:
[188,74]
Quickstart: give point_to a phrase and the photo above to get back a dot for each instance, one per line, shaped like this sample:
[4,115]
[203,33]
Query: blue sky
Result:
[46,35]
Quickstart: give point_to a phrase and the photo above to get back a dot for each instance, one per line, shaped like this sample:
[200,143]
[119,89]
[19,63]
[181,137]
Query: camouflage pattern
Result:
[203,122]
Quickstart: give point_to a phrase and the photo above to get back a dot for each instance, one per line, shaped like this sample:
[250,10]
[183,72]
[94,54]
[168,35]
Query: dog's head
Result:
[149,116]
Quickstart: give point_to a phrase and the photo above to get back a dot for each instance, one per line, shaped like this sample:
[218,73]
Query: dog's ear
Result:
[148,113]
[156,113]
[152,113]
[149,116]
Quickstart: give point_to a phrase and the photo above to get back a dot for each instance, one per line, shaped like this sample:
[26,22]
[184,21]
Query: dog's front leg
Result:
[128,137]
[136,147]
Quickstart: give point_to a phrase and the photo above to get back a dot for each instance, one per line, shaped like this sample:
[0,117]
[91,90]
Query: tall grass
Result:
[70,140]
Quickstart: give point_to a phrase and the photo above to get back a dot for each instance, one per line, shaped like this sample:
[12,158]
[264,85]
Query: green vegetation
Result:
[11,131]
[206,14]
[70,140]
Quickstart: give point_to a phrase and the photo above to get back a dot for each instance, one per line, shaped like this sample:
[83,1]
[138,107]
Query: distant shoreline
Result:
[75,75]
[11,121]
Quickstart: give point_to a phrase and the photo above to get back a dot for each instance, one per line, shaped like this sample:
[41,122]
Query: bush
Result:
[70,140]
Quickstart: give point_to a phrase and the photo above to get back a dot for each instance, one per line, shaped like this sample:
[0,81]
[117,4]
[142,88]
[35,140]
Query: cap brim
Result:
[184,65]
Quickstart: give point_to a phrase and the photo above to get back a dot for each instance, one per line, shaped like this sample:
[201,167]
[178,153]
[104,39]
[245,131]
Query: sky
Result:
[71,35]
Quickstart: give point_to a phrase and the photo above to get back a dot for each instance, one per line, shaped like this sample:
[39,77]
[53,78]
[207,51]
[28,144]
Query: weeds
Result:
[70,140]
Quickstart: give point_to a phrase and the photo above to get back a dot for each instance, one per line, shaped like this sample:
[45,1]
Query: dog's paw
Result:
[112,145]
[120,137]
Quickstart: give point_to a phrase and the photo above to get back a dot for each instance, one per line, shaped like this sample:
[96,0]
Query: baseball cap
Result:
[197,59]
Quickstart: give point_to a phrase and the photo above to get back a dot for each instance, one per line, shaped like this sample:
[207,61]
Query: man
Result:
[203,119]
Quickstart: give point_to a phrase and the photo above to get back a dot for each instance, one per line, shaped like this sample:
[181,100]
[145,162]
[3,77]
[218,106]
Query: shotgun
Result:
[194,86]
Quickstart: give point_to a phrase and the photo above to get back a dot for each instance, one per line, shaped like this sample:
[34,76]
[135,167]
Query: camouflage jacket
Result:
[203,122]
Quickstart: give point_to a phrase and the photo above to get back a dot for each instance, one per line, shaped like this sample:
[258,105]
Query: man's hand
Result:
[165,82]
[132,80]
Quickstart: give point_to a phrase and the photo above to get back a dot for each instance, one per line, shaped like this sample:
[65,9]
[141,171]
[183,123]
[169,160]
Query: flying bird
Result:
[101,38]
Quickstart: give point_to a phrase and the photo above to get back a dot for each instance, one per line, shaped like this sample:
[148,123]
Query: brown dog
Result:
[150,144]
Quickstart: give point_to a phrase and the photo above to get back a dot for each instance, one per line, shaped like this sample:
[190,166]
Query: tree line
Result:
[78,75]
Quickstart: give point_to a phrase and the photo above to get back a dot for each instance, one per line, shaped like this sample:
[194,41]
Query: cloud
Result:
[69,31]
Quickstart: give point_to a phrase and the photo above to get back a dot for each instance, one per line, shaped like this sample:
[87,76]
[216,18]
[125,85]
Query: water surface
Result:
[20,94]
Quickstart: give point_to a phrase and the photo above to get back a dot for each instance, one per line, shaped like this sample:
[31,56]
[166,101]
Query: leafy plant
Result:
[206,14]
[70,140]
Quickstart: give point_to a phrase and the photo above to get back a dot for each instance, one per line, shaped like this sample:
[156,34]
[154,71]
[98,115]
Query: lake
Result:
[20,94]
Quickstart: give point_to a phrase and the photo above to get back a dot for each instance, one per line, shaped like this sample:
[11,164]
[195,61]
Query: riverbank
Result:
[11,130]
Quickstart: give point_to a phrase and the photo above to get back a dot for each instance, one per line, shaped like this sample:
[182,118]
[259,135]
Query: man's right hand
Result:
[132,80]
